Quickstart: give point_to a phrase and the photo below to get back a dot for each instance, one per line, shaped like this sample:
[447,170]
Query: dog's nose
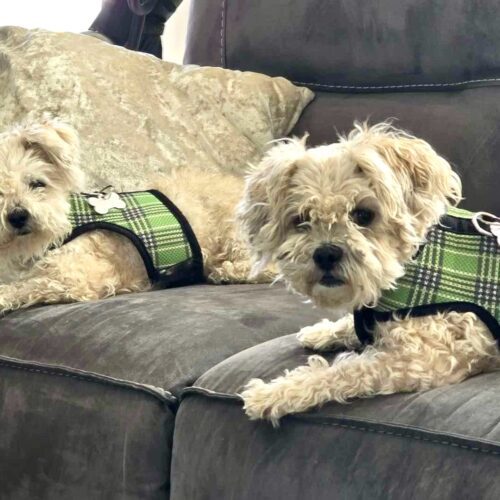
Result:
[18,217]
[326,256]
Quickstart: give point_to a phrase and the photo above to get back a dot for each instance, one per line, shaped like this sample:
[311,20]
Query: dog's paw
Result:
[263,401]
[318,337]
[5,305]
[328,334]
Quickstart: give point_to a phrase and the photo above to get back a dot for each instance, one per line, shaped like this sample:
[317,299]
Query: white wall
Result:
[174,36]
[53,15]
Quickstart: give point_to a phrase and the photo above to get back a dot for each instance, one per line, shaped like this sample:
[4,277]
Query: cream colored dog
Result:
[340,221]
[38,171]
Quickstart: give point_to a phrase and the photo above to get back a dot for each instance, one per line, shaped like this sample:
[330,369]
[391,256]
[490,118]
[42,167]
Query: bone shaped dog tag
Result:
[103,203]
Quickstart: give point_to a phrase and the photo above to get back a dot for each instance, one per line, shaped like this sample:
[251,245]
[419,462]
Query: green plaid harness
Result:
[156,227]
[457,269]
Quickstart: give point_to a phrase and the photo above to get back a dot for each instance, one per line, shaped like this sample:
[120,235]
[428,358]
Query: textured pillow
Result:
[138,115]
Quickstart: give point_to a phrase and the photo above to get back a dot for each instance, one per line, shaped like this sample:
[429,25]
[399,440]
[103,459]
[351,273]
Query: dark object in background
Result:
[135,24]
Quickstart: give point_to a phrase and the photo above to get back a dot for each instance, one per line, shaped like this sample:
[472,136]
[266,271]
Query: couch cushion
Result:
[137,115]
[70,434]
[335,45]
[165,338]
[399,446]
[86,409]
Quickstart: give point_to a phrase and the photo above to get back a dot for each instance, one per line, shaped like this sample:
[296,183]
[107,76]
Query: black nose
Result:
[18,217]
[326,256]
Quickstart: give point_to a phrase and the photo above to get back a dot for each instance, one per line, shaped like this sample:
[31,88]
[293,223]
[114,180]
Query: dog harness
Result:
[456,269]
[157,228]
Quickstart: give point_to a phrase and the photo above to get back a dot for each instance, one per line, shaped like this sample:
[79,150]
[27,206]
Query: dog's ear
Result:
[427,180]
[58,144]
[262,211]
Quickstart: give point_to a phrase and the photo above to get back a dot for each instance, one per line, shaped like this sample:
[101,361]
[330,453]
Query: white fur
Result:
[35,268]
[408,186]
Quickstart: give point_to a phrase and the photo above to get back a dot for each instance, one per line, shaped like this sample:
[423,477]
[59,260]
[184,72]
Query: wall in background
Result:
[174,36]
[53,15]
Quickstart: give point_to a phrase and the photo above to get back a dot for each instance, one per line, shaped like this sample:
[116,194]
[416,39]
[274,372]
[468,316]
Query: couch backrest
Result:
[433,65]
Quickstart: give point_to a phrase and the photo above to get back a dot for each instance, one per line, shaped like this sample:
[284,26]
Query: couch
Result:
[136,397]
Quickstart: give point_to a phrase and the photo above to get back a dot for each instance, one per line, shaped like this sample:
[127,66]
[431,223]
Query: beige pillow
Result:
[138,115]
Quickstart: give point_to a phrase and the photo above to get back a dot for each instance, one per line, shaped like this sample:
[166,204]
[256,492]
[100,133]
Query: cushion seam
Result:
[363,428]
[222,33]
[406,435]
[402,86]
[90,377]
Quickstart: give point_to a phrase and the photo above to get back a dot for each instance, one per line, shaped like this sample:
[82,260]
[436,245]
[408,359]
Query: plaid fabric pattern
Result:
[451,267]
[148,218]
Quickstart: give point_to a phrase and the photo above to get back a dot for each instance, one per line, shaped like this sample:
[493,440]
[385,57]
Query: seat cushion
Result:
[87,391]
[398,446]
[165,338]
[70,434]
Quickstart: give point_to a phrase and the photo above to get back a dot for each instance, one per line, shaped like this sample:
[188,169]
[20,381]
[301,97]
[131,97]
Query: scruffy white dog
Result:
[39,169]
[341,221]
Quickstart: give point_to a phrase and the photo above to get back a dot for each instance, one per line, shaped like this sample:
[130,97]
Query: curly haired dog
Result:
[341,222]
[39,169]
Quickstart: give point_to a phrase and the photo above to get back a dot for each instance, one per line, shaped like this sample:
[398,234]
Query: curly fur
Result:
[35,268]
[298,199]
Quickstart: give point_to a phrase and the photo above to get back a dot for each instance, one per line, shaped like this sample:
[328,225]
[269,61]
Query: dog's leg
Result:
[92,267]
[235,271]
[354,375]
[328,334]
[39,290]
[220,271]
[409,355]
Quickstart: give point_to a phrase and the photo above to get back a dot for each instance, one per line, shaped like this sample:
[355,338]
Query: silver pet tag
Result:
[103,203]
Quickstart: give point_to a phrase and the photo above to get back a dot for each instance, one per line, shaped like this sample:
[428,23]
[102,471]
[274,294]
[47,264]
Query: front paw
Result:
[5,305]
[263,401]
[317,337]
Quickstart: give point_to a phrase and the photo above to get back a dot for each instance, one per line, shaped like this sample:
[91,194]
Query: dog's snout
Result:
[18,218]
[326,256]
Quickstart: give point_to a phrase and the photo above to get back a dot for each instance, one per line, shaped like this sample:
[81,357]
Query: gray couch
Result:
[135,397]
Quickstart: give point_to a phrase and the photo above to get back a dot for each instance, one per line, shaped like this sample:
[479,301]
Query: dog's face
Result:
[341,220]
[38,170]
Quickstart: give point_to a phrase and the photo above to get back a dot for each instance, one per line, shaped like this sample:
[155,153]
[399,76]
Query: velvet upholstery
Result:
[88,391]
[443,443]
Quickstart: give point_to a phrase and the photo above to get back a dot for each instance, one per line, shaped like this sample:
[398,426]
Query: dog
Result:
[342,222]
[40,172]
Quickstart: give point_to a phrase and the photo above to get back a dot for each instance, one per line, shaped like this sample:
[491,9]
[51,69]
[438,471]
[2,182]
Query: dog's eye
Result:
[301,223]
[37,184]
[362,216]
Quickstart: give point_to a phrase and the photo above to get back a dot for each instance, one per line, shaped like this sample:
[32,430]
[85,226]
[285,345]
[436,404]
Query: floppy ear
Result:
[261,212]
[429,184]
[57,143]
